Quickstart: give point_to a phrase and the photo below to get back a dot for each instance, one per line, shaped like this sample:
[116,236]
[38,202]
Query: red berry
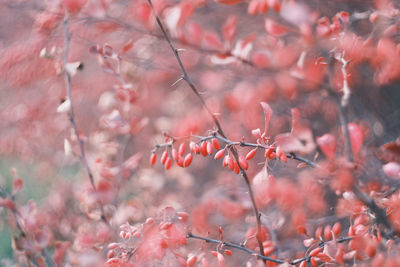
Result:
[175,155]
[164,157]
[153,158]
[236,168]
[194,148]
[219,154]
[270,154]
[228,252]
[243,163]
[225,161]
[203,149]
[182,149]
[231,164]
[168,163]
[251,154]
[209,148]
[337,228]
[216,144]
[315,251]
[188,160]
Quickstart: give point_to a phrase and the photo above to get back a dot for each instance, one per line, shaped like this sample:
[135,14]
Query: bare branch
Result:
[82,155]
[233,150]
[259,256]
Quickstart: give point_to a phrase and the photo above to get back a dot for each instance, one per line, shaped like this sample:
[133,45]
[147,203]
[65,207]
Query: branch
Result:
[233,245]
[380,214]
[82,155]
[259,256]
[20,226]
[229,142]
[233,150]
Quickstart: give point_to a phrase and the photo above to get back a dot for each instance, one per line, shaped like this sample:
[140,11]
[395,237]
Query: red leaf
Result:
[191,261]
[229,28]
[194,33]
[275,28]
[127,46]
[143,12]
[228,2]
[356,138]
[8,203]
[74,6]
[253,7]
[221,260]
[260,59]
[186,11]
[212,39]
[275,4]
[327,144]
[300,139]
[18,184]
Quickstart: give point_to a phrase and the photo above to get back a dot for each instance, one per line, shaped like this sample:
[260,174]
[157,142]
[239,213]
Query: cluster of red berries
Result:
[205,148]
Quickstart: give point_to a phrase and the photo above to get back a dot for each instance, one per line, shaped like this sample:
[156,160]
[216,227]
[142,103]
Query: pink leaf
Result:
[260,59]
[327,144]
[186,12]
[18,184]
[228,2]
[221,260]
[256,133]
[229,28]
[392,170]
[330,249]
[127,46]
[295,119]
[275,28]
[268,113]
[212,39]
[74,6]
[194,33]
[276,6]
[143,12]
[356,138]
[300,139]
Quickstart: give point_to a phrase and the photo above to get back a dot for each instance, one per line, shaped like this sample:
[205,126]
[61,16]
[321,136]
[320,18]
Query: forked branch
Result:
[220,131]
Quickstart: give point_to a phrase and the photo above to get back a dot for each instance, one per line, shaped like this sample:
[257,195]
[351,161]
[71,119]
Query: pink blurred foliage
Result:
[317,203]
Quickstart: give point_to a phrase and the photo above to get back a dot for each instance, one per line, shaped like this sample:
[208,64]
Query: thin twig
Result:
[233,245]
[258,255]
[233,150]
[82,155]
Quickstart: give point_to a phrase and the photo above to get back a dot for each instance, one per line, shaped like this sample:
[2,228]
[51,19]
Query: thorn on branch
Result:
[177,81]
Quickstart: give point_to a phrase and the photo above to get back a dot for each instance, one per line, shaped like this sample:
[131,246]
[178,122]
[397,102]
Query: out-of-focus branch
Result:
[67,75]
[233,245]
[259,256]
[23,234]
[343,103]
[233,150]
